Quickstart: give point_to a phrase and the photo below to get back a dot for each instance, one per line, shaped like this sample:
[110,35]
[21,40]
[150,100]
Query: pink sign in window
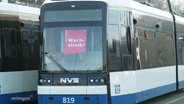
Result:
[75,41]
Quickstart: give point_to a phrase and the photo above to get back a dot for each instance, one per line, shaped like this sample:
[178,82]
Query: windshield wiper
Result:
[55,62]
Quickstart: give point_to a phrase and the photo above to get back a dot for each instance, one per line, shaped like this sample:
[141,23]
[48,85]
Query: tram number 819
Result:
[68,100]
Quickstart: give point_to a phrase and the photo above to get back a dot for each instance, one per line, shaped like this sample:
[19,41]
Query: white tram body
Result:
[19,53]
[138,52]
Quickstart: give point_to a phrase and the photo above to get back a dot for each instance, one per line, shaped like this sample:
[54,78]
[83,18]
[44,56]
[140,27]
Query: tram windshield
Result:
[73,49]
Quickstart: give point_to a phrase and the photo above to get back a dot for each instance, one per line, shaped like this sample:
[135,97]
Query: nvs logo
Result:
[69,80]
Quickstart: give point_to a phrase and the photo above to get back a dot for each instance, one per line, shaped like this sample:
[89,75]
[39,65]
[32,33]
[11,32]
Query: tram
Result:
[109,52]
[19,53]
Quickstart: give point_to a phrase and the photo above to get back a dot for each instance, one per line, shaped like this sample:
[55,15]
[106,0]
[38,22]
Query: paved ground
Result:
[171,98]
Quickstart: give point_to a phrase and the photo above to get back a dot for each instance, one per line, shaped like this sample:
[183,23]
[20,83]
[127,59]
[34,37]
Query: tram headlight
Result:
[91,80]
[48,81]
[41,80]
[96,80]
[44,81]
[102,80]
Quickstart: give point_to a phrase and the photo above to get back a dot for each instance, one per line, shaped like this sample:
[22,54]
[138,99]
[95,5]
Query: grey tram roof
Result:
[131,5]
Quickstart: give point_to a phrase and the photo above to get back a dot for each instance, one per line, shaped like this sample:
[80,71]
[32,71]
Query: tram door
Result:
[181,61]
[9,49]
[181,45]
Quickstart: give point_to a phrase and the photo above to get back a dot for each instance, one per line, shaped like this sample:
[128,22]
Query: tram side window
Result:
[114,48]
[10,42]
[119,38]
[30,51]
[157,50]
[36,52]
[10,50]
[127,58]
[25,50]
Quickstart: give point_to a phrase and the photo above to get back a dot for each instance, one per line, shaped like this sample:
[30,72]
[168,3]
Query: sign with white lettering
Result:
[75,41]
[69,80]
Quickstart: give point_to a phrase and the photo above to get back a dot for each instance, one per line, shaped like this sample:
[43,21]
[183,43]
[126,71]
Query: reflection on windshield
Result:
[73,49]
[55,63]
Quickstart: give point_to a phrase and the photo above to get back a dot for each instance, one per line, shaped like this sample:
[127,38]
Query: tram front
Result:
[74,53]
